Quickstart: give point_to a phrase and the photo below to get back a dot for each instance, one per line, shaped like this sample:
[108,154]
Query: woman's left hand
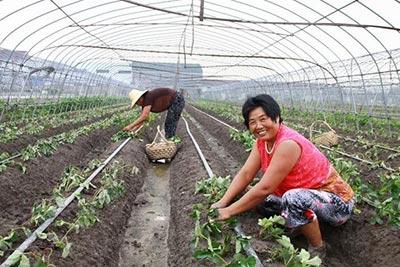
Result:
[127,128]
[223,214]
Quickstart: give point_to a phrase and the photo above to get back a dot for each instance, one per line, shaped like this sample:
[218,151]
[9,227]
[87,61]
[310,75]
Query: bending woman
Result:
[298,182]
[157,100]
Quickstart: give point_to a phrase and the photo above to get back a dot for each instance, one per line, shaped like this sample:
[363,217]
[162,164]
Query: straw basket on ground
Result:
[161,148]
[329,138]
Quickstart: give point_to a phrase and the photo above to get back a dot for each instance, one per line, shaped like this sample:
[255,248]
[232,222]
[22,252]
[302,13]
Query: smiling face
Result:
[261,126]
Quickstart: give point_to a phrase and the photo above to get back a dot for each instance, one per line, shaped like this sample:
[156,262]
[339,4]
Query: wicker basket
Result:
[162,149]
[328,139]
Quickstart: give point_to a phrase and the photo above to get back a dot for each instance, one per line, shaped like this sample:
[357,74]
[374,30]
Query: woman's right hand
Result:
[218,205]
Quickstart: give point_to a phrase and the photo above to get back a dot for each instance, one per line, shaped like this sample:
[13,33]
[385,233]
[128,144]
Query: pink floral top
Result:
[311,170]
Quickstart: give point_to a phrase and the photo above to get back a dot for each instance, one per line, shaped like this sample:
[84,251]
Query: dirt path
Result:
[146,237]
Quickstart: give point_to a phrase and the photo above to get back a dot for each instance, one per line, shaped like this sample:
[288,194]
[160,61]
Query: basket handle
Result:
[159,133]
[312,125]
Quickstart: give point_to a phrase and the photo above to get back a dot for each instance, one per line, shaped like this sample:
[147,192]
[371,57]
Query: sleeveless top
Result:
[312,170]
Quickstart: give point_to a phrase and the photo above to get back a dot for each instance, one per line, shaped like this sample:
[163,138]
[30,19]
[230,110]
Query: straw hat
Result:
[134,95]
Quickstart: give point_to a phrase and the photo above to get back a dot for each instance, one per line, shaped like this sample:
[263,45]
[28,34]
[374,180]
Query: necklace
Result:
[266,148]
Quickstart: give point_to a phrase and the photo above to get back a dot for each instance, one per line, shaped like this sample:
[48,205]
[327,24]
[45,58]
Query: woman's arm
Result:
[285,157]
[139,121]
[242,179]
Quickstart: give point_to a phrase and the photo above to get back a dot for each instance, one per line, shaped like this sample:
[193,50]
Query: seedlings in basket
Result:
[176,139]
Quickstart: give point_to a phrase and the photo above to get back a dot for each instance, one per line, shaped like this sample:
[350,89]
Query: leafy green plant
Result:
[245,137]
[271,228]
[213,188]
[213,240]
[291,257]
[42,212]
[121,135]
[71,179]
[7,241]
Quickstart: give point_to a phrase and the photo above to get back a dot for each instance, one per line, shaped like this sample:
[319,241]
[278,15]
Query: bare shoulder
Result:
[288,148]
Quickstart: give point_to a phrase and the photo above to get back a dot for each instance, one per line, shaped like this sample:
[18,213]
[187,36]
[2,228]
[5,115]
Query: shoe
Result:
[318,251]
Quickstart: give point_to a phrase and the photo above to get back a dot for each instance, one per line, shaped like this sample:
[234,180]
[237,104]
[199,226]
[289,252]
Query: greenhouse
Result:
[199,133]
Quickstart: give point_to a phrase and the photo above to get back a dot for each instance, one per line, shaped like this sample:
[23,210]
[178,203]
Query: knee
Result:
[292,196]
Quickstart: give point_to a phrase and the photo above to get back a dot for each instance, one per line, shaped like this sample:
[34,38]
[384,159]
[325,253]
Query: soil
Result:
[150,225]
[22,141]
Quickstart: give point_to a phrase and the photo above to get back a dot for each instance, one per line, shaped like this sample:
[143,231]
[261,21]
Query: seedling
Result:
[271,228]
[291,257]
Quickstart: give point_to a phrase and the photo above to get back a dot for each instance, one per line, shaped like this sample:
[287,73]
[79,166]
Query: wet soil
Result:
[118,238]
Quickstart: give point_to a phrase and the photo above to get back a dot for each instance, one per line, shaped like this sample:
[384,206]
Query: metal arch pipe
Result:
[278,41]
[205,55]
[23,24]
[150,7]
[325,32]
[373,59]
[272,39]
[319,41]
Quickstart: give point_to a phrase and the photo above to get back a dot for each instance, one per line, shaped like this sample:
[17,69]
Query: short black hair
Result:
[266,102]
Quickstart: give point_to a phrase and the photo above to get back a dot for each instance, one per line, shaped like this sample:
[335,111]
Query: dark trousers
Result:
[173,115]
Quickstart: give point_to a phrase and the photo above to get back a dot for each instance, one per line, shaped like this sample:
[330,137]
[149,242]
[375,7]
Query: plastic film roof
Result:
[349,45]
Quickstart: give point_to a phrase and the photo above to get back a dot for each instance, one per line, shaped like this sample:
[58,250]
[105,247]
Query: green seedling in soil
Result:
[61,243]
[271,228]
[71,179]
[214,240]
[86,214]
[42,212]
[17,259]
[291,257]
[122,135]
[213,188]
[42,260]
[111,188]
[7,242]
[3,162]
[245,137]
[22,260]
[391,156]
[385,199]
[92,165]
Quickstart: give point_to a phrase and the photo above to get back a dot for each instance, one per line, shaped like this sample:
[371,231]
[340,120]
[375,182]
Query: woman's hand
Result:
[127,128]
[218,205]
[223,214]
